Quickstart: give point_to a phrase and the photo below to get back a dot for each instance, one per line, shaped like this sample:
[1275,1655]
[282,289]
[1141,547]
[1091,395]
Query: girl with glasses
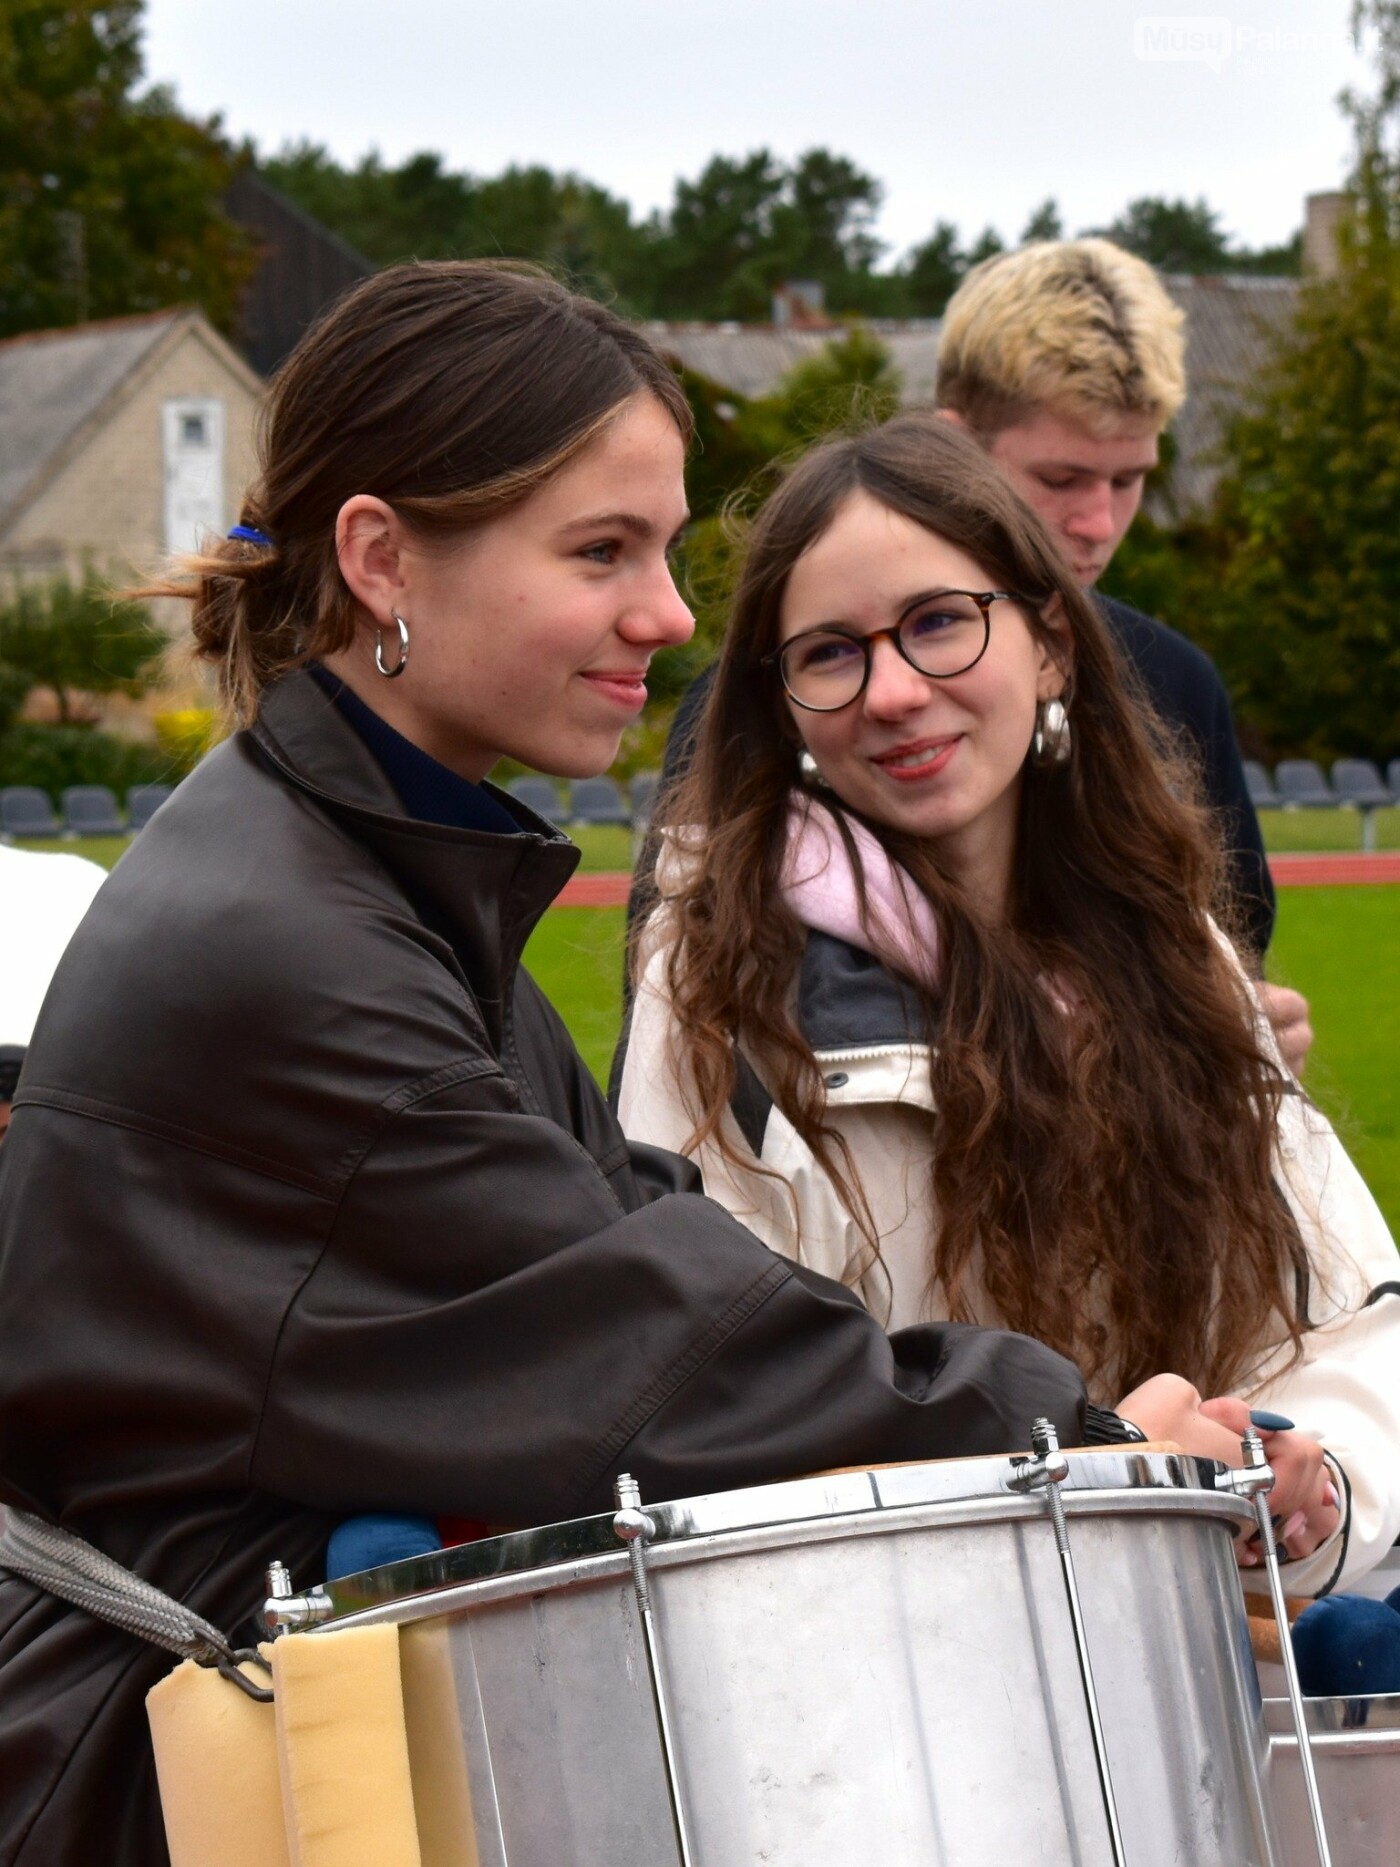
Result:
[940,992]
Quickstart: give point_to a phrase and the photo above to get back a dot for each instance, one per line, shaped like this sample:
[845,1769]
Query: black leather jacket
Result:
[309,1206]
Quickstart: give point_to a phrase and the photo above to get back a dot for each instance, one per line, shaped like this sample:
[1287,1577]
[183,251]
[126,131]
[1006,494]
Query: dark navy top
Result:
[427,790]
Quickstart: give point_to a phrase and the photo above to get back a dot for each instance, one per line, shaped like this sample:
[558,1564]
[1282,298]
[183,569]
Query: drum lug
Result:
[284,1612]
[636,1529]
[1255,1482]
[1048,1467]
[1047,1471]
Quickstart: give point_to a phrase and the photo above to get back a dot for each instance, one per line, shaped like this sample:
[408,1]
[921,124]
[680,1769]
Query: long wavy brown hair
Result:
[1103,1176]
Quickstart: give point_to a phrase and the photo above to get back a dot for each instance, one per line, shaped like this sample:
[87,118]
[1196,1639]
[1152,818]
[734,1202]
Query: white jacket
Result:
[1346,1389]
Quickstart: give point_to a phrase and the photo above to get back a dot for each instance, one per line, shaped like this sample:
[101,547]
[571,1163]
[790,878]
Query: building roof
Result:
[302,268]
[1232,325]
[752,359]
[1231,322]
[55,385]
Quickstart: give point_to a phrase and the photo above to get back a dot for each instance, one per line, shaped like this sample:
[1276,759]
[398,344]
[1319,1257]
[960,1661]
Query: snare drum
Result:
[874,1665]
[1356,1753]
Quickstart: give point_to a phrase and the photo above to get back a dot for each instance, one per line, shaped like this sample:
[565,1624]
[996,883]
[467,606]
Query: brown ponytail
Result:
[449,389]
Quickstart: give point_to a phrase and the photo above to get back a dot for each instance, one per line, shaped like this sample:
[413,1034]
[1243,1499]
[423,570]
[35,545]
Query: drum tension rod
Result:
[636,1529]
[1255,1482]
[1046,1472]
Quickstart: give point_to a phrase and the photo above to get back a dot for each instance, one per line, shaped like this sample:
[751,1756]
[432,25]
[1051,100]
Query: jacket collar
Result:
[846,998]
[865,1025]
[484,892]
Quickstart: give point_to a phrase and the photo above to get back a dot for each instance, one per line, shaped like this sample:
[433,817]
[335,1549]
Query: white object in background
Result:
[42,899]
[193,445]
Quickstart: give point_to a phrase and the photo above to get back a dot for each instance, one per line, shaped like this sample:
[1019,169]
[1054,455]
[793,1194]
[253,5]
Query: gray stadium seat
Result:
[540,795]
[1260,786]
[644,797]
[1358,783]
[1302,786]
[91,810]
[25,810]
[143,801]
[598,800]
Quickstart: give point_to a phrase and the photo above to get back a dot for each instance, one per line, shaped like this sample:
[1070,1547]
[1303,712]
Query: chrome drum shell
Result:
[876,1665]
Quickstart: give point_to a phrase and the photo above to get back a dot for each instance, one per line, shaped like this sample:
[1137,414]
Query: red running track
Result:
[610,890]
[1343,867]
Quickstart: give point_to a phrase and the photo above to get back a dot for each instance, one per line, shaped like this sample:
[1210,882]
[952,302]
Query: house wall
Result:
[106,504]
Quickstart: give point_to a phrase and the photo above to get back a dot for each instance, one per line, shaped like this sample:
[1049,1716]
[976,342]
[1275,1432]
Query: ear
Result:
[370,541]
[952,416]
[1056,653]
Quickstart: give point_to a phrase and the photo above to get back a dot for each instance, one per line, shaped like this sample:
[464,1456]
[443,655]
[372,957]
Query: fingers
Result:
[1227,1411]
[1288,1014]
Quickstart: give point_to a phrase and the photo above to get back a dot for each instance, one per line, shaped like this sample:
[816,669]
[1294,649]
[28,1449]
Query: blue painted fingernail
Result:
[1270,1422]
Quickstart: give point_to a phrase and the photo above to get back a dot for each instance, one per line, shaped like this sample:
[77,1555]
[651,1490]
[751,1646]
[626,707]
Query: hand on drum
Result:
[1303,1503]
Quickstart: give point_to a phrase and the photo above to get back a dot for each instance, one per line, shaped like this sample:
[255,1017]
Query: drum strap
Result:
[63,1565]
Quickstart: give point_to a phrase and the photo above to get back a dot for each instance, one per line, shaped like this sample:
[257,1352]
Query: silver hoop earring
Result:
[1052,741]
[392,674]
[810,772]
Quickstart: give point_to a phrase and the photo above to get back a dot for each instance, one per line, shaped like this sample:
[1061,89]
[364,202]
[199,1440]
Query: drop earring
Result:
[392,674]
[810,772]
[1052,741]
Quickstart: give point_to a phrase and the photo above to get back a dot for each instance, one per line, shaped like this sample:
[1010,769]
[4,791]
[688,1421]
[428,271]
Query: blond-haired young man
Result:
[1066,359]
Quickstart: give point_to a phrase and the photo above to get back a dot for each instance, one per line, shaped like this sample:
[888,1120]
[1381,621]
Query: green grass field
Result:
[1325,829]
[1341,947]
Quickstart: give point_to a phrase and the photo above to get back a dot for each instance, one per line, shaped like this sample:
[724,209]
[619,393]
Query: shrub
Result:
[53,757]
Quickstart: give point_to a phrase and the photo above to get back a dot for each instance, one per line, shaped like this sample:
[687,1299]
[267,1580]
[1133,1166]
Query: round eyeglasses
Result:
[941,635]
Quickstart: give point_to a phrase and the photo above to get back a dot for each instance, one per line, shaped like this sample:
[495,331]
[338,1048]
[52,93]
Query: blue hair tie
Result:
[250,535]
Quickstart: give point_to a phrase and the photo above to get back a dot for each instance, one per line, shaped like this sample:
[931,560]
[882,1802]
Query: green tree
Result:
[933,270]
[78,642]
[850,381]
[1044,224]
[718,236]
[1302,545]
[1178,236]
[824,227]
[109,196]
[421,209]
[986,246]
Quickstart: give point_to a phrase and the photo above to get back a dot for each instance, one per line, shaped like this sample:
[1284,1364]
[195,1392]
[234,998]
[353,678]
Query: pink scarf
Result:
[819,885]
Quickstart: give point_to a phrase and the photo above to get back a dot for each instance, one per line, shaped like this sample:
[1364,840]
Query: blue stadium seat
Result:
[598,800]
[1357,782]
[25,810]
[644,787]
[1302,786]
[1260,786]
[91,810]
[540,795]
[143,801]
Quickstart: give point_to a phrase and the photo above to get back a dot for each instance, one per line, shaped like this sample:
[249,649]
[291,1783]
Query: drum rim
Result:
[1100,1483]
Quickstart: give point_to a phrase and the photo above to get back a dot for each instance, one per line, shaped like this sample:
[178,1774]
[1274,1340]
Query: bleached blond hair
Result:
[1076,326]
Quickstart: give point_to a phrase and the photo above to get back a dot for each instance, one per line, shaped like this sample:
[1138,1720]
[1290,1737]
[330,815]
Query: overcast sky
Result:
[967,110]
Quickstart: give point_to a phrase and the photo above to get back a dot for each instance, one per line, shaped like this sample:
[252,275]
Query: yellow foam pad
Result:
[347,1794]
[216,1762]
[442,1796]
